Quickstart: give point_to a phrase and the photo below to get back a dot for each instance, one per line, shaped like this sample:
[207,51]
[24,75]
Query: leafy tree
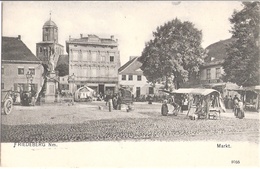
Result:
[173,55]
[242,63]
[63,69]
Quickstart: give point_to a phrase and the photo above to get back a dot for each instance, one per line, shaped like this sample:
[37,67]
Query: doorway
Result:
[101,89]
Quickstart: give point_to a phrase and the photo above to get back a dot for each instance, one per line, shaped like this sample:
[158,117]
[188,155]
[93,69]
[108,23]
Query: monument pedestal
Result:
[50,88]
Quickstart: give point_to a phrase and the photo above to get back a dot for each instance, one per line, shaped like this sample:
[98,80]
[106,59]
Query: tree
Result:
[242,63]
[63,69]
[173,55]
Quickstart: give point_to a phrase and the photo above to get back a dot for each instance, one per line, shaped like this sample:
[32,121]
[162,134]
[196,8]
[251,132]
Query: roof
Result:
[127,64]
[49,23]
[13,49]
[93,39]
[217,50]
[196,91]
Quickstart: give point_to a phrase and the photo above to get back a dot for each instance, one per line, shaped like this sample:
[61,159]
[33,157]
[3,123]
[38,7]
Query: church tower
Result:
[49,49]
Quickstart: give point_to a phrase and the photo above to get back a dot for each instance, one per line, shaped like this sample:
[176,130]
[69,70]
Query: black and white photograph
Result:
[130,84]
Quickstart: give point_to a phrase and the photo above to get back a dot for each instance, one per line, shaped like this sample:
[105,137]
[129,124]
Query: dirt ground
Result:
[93,122]
[63,113]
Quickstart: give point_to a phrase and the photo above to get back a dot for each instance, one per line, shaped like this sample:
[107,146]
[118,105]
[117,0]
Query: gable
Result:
[133,68]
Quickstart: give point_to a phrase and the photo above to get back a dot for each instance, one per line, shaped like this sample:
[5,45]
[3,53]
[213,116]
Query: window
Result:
[80,55]
[103,59]
[217,73]
[2,86]
[3,70]
[151,90]
[20,71]
[40,48]
[111,58]
[123,77]
[130,77]
[32,71]
[139,78]
[94,56]
[208,74]
[93,72]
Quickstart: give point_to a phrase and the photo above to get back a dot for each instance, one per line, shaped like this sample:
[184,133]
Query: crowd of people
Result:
[230,102]
[113,101]
[194,104]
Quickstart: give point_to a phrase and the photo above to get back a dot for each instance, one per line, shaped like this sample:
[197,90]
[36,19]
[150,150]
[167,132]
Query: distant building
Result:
[49,49]
[212,70]
[94,62]
[131,77]
[17,61]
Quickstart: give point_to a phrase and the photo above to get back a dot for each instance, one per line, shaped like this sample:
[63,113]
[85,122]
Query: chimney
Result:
[19,37]
[69,37]
[81,35]
[112,37]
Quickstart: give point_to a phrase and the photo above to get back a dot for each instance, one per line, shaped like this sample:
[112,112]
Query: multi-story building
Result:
[212,70]
[49,49]
[131,77]
[17,62]
[94,62]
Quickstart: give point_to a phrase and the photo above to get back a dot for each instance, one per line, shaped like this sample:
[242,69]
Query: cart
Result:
[7,102]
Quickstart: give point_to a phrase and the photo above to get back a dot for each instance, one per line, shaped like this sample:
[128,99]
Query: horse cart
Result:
[7,102]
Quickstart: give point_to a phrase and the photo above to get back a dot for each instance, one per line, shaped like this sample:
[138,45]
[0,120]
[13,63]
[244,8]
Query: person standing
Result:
[115,101]
[109,101]
[119,102]
[226,101]
[230,102]
[164,109]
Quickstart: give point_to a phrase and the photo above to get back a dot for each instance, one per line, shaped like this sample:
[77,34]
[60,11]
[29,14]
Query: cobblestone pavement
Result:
[86,122]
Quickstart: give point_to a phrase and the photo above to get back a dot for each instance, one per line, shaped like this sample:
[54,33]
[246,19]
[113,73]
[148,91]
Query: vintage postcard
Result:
[130,84]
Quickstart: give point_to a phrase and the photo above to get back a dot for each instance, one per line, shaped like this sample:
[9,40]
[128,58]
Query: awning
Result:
[256,88]
[232,86]
[196,91]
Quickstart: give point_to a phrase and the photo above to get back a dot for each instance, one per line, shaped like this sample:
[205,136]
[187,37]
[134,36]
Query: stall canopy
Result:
[195,91]
[253,88]
[84,92]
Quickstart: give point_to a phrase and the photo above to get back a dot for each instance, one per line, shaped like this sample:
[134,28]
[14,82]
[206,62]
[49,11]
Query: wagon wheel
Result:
[8,106]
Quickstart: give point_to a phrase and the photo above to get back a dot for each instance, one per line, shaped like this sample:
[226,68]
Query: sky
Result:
[131,22]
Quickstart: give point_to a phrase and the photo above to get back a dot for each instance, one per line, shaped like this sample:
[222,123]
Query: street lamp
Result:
[72,79]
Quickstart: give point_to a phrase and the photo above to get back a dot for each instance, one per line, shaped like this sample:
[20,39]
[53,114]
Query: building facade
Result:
[211,72]
[131,77]
[49,49]
[94,62]
[17,61]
